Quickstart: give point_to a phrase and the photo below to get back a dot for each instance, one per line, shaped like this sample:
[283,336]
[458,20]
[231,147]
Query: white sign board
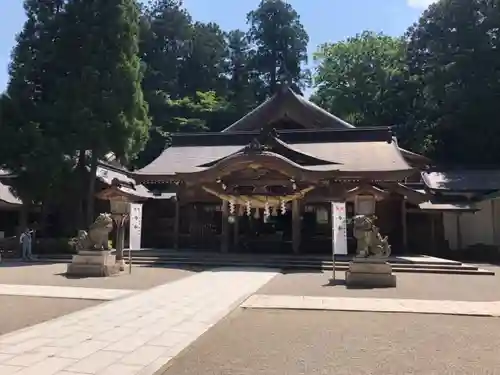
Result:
[135,225]
[339,228]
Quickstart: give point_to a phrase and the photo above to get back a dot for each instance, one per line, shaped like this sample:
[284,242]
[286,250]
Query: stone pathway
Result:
[63,292]
[135,335]
[261,301]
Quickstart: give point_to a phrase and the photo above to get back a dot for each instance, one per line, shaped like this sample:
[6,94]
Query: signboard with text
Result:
[135,225]
[339,228]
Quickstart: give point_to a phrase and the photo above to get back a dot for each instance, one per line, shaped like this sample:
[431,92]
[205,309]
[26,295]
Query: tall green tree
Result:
[243,80]
[99,91]
[453,57]
[364,80]
[186,74]
[280,43]
[166,31]
[205,66]
[30,149]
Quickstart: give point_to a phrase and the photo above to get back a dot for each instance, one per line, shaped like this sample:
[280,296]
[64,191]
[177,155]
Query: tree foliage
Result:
[30,142]
[365,81]
[74,87]
[453,56]
[83,70]
[99,87]
[360,79]
[280,43]
[203,112]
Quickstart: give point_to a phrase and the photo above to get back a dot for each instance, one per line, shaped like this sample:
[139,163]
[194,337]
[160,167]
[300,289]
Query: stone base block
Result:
[94,270]
[370,274]
[93,264]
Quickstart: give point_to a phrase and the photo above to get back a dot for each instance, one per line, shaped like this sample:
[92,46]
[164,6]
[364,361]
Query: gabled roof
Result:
[287,104]
[348,150]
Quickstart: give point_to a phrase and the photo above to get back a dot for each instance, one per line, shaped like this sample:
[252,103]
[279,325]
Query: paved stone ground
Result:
[21,312]
[54,274]
[413,286]
[265,301]
[270,342]
[63,292]
[132,335]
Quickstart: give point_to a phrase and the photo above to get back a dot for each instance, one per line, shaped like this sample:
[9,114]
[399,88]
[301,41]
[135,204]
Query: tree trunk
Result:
[80,191]
[23,217]
[273,73]
[91,191]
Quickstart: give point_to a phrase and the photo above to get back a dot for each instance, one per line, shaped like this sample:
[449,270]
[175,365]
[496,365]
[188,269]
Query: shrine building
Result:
[266,184]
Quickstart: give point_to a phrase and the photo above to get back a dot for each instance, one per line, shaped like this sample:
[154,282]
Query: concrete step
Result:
[288,257]
[286,263]
[291,262]
[264,257]
[325,267]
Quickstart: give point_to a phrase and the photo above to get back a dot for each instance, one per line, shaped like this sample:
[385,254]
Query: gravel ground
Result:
[252,342]
[412,286]
[20,312]
[54,274]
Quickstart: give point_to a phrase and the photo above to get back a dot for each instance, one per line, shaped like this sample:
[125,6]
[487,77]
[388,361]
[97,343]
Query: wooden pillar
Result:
[236,226]
[459,232]
[493,224]
[296,226]
[404,222]
[224,244]
[177,223]
[23,219]
[433,234]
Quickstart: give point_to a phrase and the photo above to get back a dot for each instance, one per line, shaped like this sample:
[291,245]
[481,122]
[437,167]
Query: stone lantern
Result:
[120,212]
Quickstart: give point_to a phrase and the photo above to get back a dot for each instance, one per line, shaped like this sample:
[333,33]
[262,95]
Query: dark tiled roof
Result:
[289,136]
[288,104]
[344,156]
[354,156]
[463,180]
[181,159]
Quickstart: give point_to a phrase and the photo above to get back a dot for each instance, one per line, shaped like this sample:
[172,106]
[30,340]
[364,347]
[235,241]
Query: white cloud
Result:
[420,4]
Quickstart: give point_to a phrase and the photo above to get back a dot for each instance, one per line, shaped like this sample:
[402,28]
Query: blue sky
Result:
[324,20]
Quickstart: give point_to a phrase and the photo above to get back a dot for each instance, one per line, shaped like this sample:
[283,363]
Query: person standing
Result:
[25,241]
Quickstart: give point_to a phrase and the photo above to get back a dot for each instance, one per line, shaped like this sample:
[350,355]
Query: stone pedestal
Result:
[92,263]
[370,273]
[121,264]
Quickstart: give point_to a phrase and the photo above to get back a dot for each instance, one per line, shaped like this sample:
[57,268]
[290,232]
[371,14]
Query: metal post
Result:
[332,219]
[129,260]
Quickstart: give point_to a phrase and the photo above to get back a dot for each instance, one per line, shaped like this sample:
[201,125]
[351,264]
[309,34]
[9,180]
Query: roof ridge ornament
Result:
[254,147]
[263,141]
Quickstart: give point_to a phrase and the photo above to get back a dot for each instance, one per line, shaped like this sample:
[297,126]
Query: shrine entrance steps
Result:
[410,264]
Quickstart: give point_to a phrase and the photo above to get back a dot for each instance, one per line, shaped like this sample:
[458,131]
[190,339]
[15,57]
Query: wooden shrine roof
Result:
[286,103]
[347,150]
[318,136]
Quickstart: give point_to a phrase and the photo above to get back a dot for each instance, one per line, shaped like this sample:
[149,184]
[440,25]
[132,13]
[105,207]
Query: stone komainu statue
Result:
[97,236]
[370,242]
